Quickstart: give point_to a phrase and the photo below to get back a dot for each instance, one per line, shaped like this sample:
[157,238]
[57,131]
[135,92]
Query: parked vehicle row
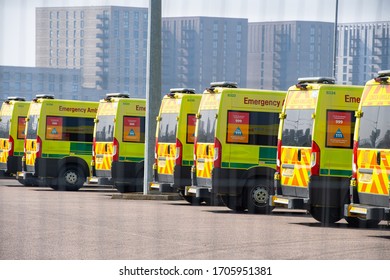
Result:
[252,150]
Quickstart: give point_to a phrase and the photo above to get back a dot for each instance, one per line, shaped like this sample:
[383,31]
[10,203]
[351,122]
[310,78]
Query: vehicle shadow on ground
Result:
[381,227]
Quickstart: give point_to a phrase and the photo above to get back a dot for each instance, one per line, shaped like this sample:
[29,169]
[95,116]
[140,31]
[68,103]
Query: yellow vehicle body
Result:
[369,191]
[175,135]
[58,143]
[315,143]
[235,146]
[12,126]
[119,142]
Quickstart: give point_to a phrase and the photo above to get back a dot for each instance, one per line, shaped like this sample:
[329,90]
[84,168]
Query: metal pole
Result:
[335,39]
[153,86]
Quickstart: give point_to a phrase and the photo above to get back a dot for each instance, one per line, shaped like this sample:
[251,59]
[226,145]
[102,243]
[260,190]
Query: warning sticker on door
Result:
[339,129]
[131,129]
[238,127]
[54,128]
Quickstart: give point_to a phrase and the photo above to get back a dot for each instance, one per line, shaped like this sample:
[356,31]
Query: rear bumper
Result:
[367,212]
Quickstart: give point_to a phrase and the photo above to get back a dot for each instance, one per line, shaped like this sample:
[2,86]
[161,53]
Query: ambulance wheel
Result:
[360,223]
[70,178]
[325,215]
[258,194]
[233,202]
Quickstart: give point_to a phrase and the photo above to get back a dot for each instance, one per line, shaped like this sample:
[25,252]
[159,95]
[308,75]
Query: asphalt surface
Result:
[37,223]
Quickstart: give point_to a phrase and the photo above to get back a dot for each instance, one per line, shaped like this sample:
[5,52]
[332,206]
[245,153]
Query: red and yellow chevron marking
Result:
[103,155]
[170,105]
[205,160]
[301,100]
[210,101]
[4,150]
[30,154]
[107,108]
[376,95]
[378,181]
[299,175]
[166,154]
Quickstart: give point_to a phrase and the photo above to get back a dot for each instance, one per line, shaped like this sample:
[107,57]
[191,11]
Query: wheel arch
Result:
[74,161]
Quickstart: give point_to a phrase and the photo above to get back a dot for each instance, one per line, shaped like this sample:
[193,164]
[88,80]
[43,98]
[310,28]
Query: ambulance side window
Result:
[253,128]
[339,128]
[134,129]
[191,122]
[21,127]
[69,129]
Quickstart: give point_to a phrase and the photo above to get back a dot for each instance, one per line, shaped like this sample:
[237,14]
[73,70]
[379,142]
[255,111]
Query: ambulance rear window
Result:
[105,128]
[5,126]
[374,129]
[297,129]
[206,126]
[167,128]
[32,127]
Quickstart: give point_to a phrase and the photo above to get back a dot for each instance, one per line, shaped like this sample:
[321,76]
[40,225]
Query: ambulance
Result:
[119,142]
[175,134]
[58,142]
[369,188]
[315,142]
[12,125]
[235,147]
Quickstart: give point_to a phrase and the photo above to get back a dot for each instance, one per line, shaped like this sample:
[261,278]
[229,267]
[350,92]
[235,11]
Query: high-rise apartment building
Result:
[281,52]
[363,50]
[200,50]
[29,81]
[107,43]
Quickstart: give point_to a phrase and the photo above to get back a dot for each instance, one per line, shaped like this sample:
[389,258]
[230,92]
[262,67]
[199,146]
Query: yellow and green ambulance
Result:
[12,125]
[58,142]
[119,142]
[235,146]
[370,187]
[315,147]
[175,134]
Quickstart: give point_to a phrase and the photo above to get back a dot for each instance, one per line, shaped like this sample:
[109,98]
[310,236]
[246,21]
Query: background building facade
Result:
[200,50]
[363,49]
[30,81]
[107,43]
[281,52]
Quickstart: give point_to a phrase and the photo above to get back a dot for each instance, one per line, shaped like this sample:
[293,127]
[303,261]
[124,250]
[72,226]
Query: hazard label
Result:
[54,128]
[131,129]
[339,129]
[338,134]
[238,127]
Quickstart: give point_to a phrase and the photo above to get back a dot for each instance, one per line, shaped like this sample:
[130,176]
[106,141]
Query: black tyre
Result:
[70,178]
[258,194]
[326,215]
[360,223]
[233,202]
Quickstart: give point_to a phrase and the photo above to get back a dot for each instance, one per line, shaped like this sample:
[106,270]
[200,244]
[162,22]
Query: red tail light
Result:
[217,153]
[11,146]
[39,147]
[315,159]
[278,155]
[115,150]
[179,152]
[354,159]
